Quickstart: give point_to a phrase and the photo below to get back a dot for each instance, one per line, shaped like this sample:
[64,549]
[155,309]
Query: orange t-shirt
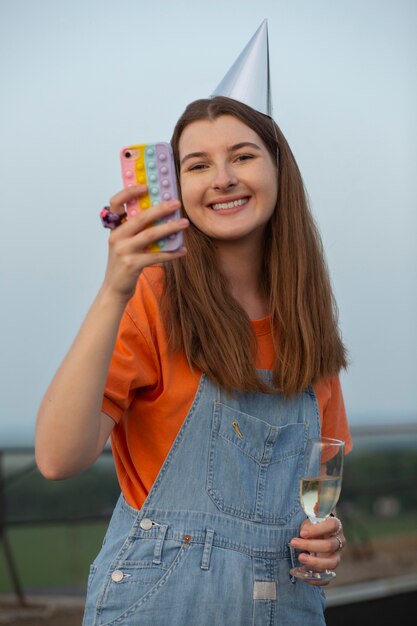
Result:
[148,422]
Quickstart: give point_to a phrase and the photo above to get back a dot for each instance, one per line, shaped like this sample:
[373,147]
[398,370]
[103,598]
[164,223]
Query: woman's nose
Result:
[224,178]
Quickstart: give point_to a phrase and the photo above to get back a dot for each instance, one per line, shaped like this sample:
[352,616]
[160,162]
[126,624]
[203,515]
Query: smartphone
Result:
[152,164]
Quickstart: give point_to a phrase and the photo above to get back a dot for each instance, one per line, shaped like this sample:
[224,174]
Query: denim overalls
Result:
[209,547]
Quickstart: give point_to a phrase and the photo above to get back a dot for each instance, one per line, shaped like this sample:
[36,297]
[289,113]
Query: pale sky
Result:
[81,79]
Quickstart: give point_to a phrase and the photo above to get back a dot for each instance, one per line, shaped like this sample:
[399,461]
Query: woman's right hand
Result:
[127,243]
[71,429]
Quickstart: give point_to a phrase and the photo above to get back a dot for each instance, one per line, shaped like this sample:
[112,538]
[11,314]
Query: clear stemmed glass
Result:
[320,486]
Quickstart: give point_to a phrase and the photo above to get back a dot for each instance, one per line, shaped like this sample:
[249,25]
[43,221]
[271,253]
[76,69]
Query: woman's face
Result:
[228,178]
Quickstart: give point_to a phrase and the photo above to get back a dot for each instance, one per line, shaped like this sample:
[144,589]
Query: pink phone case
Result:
[152,164]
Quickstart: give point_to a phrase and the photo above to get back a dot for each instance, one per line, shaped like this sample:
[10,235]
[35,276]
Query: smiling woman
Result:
[210,367]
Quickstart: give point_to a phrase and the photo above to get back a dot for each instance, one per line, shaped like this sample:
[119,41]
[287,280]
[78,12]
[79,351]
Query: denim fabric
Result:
[210,545]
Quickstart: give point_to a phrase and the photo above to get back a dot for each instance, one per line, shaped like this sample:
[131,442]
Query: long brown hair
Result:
[201,316]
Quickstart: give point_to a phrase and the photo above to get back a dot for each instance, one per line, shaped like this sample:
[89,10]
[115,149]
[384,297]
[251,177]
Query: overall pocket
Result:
[137,577]
[254,466]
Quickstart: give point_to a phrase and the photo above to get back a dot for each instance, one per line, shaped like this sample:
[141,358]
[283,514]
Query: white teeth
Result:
[229,205]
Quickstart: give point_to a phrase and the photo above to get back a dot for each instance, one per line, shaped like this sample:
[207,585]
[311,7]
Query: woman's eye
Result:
[196,167]
[244,157]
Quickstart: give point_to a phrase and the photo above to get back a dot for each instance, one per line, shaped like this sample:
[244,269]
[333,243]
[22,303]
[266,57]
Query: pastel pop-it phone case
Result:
[152,164]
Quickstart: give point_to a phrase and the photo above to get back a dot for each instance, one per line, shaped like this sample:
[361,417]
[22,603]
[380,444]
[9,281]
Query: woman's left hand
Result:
[324,541]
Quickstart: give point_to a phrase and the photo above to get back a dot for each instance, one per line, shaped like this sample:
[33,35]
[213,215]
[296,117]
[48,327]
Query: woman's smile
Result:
[225,205]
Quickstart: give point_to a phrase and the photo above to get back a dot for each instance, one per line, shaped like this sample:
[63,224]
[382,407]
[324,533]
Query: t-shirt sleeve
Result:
[133,366]
[332,407]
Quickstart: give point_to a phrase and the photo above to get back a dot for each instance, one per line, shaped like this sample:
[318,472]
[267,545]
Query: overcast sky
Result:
[81,79]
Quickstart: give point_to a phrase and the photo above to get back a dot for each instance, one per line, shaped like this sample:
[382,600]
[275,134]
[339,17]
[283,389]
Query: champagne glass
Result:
[320,486]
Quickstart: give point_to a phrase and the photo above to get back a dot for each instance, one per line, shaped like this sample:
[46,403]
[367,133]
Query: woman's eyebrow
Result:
[244,144]
[236,146]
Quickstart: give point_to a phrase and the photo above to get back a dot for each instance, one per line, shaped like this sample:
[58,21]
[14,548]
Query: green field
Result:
[52,556]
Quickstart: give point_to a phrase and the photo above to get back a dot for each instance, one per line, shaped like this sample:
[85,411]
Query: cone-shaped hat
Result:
[248,79]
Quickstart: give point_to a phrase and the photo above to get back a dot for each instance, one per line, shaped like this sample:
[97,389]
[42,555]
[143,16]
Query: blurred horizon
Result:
[15,437]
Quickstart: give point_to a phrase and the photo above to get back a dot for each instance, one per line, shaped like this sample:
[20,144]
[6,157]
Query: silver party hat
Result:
[248,79]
